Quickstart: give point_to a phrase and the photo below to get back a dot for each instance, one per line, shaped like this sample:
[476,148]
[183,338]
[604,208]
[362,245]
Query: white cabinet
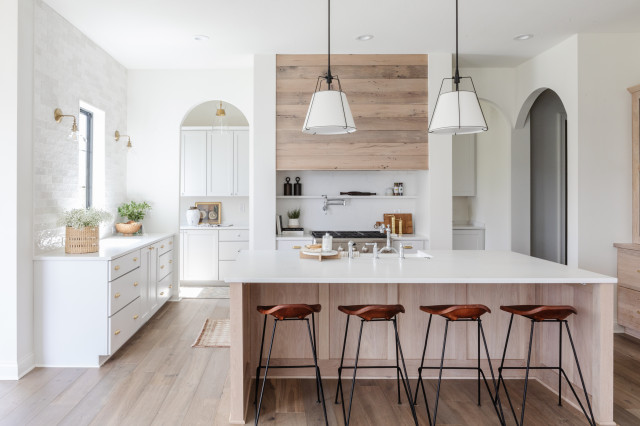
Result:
[215,163]
[464,165]
[209,254]
[194,162]
[468,239]
[289,244]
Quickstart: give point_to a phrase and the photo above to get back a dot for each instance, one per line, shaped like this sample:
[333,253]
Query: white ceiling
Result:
[152,34]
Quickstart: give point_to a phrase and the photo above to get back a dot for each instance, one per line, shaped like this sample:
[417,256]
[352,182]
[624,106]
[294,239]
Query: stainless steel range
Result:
[360,238]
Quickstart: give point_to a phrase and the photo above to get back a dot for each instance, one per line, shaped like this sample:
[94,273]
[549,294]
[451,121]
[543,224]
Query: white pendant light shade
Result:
[329,114]
[457,113]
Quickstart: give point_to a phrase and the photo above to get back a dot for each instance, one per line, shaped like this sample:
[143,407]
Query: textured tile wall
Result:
[70,68]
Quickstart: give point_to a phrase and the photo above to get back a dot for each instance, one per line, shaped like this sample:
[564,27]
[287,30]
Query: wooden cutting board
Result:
[407,221]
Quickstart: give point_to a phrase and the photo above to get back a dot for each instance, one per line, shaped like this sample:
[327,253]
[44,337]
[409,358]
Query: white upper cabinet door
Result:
[221,168]
[194,162]
[242,162]
[464,165]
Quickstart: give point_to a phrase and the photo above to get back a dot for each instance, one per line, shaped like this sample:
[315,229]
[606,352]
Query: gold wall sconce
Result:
[75,135]
[118,136]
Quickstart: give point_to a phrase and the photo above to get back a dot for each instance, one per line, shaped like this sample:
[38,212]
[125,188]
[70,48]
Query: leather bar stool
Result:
[457,313]
[373,313]
[541,314]
[298,312]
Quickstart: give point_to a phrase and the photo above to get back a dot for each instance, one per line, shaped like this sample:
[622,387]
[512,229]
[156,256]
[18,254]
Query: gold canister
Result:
[393,224]
[400,227]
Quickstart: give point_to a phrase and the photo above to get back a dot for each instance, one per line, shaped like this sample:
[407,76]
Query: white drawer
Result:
[165,287]
[233,235]
[164,246]
[292,244]
[123,264]
[224,268]
[409,246]
[123,290]
[165,264]
[229,250]
[124,324]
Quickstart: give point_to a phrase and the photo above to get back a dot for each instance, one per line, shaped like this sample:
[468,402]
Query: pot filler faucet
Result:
[332,202]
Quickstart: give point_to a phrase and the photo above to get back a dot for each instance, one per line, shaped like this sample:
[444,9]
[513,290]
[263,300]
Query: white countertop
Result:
[405,237]
[187,227]
[110,248]
[446,266]
[473,225]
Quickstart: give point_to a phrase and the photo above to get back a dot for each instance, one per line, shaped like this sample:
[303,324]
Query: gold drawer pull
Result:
[116,295]
[408,247]
[150,248]
[161,266]
[135,284]
[171,261]
[296,247]
[135,259]
[170,242]
[117,268]
[170,286]
[135,317]
[162,246]
[117,332]
[162,293]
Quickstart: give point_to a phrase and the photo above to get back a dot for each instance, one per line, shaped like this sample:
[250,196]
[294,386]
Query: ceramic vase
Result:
[193,216]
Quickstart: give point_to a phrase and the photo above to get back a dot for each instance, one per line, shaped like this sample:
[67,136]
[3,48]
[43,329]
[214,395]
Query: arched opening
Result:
[539,176]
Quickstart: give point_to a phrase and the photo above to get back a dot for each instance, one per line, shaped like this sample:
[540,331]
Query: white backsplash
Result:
[358,213]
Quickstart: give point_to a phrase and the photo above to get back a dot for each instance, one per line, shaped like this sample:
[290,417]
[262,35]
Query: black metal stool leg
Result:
[266,370]
[496,398]
[420,382]
[591,420]
[405,379]
[353,381]
[526,376]
[255,395]
[479,402]
[560,363]
[500,378]
[444,346]
[398,374]
[339,386]
[318,378]
[315,345]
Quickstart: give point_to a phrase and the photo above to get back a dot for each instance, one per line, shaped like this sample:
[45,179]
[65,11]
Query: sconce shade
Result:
[457,113]
[329,114]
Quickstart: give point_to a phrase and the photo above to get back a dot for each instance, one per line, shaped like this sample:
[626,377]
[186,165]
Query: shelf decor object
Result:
[210,213]
[74,135]
[82,234]
[329,112]
[458,111]
[135,212]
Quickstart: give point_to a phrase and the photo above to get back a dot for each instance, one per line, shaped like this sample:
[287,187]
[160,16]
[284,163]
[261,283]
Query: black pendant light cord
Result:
[329,76]
[456,77]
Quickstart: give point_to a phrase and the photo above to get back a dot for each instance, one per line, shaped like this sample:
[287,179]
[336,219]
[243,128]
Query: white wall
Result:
[492,203]
[70,68]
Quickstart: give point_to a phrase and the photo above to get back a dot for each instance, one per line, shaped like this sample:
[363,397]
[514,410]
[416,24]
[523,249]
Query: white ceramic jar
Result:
[193,216]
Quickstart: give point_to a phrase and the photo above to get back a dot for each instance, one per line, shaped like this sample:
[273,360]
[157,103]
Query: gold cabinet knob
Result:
[117,267]
[117,332]
[162,293]
[162,246]
[161,266]
[170,286]
[294,247]
[170,261]
[135,284]
[135,259]
[135,317]
[116,295]
[150,248]
[170,242]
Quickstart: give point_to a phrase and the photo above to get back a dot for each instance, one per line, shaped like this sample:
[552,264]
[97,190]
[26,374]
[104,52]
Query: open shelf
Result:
[350,197]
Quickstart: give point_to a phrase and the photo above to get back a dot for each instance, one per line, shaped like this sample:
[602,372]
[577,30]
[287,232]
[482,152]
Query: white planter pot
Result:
[294,223]
[193,217]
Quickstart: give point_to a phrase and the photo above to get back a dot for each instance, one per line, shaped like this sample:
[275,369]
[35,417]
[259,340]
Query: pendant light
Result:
[457,112]
[329,112]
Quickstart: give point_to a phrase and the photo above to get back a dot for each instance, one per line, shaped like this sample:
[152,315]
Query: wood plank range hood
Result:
[388,98]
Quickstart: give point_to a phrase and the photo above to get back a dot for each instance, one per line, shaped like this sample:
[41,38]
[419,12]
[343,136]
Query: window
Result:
[85,164]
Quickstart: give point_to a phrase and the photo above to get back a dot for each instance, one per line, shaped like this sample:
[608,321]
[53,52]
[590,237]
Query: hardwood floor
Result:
[158,379]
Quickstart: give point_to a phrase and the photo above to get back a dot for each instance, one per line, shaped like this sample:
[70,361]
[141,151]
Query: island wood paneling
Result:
[388,99]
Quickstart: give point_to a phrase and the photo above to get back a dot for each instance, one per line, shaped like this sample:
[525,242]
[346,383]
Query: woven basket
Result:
[130,227]
[85,240]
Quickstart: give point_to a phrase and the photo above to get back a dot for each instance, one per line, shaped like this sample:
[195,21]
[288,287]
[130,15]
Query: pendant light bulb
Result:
[458,111]
[329,112]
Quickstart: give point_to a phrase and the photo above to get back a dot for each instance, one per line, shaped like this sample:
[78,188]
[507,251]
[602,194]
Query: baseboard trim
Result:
[18,370]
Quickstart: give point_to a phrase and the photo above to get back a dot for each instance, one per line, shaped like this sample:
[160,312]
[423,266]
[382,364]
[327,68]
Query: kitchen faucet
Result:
[375,249]
[332,202]
[388,248]
[350,245]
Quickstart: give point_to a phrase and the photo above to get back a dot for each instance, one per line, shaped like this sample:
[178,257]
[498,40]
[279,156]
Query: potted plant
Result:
[294,218]
[82,229]
[135,212]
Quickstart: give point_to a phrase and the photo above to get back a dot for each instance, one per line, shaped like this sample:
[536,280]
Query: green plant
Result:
[293,214]
[134,211]
[84,218]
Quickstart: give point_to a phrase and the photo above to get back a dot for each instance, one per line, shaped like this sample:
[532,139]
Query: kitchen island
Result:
[487,277]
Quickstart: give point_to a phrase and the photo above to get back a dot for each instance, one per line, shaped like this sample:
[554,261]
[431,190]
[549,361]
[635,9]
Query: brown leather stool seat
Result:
[371,312]
[456,312]
[541,312]
[282,312]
